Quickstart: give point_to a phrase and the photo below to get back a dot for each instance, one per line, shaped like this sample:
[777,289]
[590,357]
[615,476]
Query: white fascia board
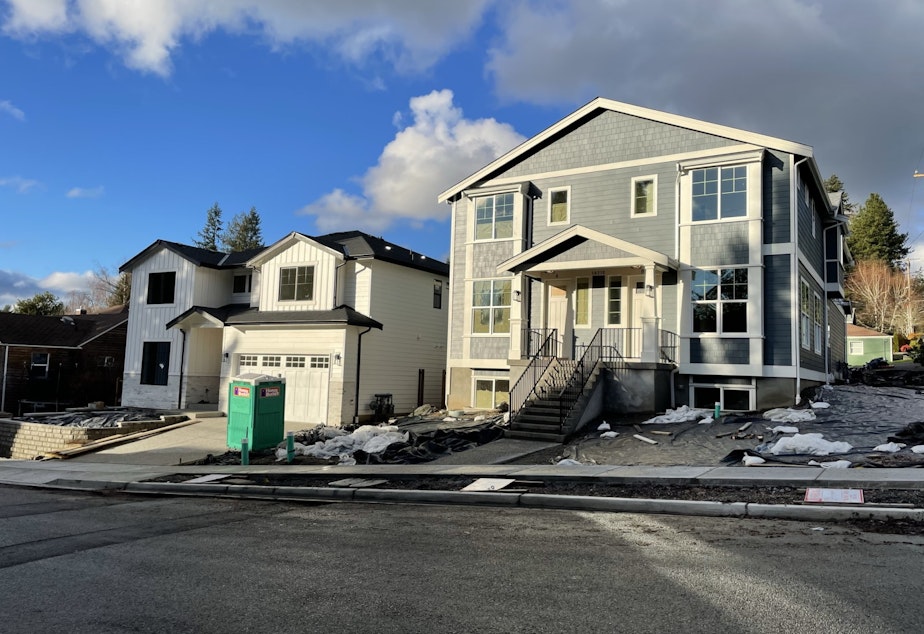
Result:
[280,245]
[600,103]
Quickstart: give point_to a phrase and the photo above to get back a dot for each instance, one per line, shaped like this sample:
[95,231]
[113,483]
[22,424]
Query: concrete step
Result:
[531,435]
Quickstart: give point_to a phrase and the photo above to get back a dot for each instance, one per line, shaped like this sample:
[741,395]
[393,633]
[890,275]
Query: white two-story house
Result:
[681,261]
[342,317]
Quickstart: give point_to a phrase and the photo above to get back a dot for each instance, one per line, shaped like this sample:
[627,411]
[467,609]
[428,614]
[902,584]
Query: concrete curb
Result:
[500,499]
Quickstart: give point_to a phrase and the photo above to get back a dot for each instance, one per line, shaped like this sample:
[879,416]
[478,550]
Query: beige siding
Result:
[299,254]
[212,287]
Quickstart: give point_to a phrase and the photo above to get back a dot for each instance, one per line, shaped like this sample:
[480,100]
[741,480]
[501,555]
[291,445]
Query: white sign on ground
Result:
[839,496]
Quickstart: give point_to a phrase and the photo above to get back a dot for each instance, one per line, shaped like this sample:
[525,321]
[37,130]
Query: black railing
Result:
[539,362]
[540,341]
[668,346]
[583,370]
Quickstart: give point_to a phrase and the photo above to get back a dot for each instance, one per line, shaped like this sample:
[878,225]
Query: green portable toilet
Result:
[256,411]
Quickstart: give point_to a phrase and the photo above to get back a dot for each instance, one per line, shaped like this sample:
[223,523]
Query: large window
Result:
[644,199]
[494,217]
[489,393]
[614,301]
[806,314]
[818,320]
[582,302]
[491,306]
[296,283]
[720,192]
[242,283]
[720,300]
[155,362]
[161,287]
[559,205]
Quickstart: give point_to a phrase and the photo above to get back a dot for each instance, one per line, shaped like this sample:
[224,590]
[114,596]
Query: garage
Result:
[307,382]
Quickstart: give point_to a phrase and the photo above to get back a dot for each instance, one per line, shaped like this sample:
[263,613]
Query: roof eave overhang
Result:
[280,245]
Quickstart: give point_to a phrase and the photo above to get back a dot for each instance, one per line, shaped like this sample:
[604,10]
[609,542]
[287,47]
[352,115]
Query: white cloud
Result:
[20,184]
[15,285]
[8,107]
[408,34]
[440,147]
[63,282]
[85,192]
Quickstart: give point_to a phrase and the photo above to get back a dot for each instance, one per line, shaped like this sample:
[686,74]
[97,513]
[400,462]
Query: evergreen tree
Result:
[40,304]
[834,184]
[243,232]
[210,234]
[121,292]
[874,234]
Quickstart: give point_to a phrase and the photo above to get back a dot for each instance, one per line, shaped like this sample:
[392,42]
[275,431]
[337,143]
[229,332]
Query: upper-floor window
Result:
[494,217]
[38,369]
[720,192]
[720,300]
[242,283]
[161,287]
[491,306]
[437,293]
[644,195]
[296,283]
[582,302]
[559,205]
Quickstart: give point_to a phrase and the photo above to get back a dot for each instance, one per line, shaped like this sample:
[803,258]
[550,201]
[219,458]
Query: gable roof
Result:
[576,235]
[354,245]
[198,256]
[63,331]
[859,331]
[591,109]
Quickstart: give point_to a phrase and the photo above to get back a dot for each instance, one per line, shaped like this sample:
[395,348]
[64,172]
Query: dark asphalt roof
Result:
[357,244]
[243,314]
[67,331]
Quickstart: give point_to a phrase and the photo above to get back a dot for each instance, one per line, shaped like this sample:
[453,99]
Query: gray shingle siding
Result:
[487,255]
[733,351]
[723,243]
[489,347]
[812,246]
[611,137]
[589,251]
[776,190]
[777,304]
[837,326]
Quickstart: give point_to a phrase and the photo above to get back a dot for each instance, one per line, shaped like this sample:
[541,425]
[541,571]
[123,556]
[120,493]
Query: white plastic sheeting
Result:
[789,415]
[834,464]
[890,447]
[812,444]
[785,429]
[682,414]
[368,438]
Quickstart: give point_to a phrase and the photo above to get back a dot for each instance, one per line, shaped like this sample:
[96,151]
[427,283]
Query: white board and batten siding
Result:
[299,254]
[414,337]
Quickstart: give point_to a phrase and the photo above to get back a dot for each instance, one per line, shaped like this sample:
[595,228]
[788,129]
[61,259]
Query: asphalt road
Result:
[89,563]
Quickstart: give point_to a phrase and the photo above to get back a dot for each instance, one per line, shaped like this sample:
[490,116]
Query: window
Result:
[155,362]
[720,193]
[272,361]
[38,368]
[491,306]
[319,362]
[582,302]
[105,362]
[720,300]
[248,361]
[242,283]
[730,399]
[161,287]
[295,362]
[818,320]
[489,393]
[856,347]
[559,205]
[437,293]
[296,283]
[614,302]
[494,217]
[644,195]
[805,310]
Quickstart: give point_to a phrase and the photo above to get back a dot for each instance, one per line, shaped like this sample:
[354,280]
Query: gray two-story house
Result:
[630,259]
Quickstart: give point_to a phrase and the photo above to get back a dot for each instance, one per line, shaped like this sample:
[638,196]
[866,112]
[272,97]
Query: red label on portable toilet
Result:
[269,391]
[241,390]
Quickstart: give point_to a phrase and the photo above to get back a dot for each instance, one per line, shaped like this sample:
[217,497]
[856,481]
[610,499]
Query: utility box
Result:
[256,411]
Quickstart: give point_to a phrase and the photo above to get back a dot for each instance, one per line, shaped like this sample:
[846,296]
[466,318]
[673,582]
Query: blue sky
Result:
[121,122]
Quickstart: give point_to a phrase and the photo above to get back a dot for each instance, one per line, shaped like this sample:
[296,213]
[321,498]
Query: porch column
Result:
[651,291]
[518,294]
[651,339]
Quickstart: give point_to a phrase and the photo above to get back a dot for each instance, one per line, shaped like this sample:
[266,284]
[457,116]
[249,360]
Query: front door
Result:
[561,315]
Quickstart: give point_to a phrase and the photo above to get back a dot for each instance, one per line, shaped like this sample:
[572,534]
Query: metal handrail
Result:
[574,388]
[668,347]
[539,362]
[541,340]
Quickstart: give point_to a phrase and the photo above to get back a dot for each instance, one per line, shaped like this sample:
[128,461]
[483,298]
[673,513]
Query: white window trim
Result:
[622,300]
[493,380]
[654,196]
[314,283]
[548,216]
[850,346]
[749,203]
[751,389]
[805,317]
[817,326]
[493,237]
[718,302]
[472,307]
[589,301]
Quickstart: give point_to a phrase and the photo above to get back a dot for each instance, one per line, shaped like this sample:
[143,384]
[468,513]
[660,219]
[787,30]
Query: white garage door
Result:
[307,378]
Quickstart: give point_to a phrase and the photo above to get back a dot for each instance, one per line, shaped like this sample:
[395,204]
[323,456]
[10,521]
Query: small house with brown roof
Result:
[866,344]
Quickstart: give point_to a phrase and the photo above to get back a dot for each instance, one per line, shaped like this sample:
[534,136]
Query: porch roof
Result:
[623,253]
[245,315]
